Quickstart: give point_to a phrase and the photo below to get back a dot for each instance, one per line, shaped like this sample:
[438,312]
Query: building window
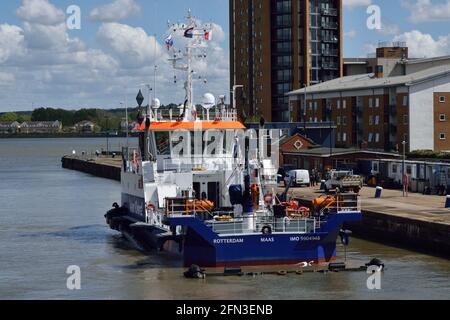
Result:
[405,101]
[442,117]
[370,103]
[338,121]
[344,137]
[377,120]
[344,121]
[443,136]
[377,138]
[370,120]
[405,119]
[377,102]
[339,104]
[442,99]
[370,137]
[344,104]
[394,168]
[408,170]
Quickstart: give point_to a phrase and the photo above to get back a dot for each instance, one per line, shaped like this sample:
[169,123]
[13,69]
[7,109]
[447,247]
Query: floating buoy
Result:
[375,262]
[195,272]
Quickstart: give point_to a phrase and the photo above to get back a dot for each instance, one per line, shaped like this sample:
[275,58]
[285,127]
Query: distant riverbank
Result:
[59,136]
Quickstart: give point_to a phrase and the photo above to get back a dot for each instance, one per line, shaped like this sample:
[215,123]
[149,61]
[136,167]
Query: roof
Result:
[204,125]
[424,60]
[368,81]
[324,152]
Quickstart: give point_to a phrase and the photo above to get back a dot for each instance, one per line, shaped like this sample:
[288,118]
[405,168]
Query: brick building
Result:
[282,45]
[381,110]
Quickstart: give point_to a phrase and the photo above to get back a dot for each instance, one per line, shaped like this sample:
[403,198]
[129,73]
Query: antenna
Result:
[197,36]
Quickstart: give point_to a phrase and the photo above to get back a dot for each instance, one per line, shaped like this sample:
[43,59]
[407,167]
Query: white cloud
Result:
[11,42]
[356,3]
[115,11]
[350,34]
[6,79]
[41,62]
[41,12]
[427,11]
[424,45]
[131,46]
[388,28]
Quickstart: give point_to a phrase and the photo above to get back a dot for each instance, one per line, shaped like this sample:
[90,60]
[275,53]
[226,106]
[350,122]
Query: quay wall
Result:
[94,168]
[413,234]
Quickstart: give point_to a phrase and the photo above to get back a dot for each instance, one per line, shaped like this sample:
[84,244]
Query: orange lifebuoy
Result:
[150,206]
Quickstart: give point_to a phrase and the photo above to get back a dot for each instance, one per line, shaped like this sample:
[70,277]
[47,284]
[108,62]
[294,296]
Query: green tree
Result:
[9,117]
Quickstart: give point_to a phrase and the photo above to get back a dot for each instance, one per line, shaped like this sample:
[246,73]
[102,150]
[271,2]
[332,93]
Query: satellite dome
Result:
[208,101]
[156,104]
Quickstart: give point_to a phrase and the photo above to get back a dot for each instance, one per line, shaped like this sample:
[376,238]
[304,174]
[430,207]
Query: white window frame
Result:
[442,136]
[442,117]
[441,99]
[405,101]
[377,120]
[377,102]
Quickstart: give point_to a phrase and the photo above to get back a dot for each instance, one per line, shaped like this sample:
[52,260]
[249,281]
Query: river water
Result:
[51,218]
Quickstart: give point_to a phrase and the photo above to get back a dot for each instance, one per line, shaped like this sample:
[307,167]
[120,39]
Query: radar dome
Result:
[156,104]
[208,101]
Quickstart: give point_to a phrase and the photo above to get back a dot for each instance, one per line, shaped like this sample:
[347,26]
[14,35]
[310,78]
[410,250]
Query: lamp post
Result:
[304,114]
[107,136]
[404,168]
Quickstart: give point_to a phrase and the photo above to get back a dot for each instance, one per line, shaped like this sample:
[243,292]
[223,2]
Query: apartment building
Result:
[376,111]
[282,45]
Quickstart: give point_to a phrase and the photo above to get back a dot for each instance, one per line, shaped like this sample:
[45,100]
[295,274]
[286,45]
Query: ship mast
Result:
[197,35]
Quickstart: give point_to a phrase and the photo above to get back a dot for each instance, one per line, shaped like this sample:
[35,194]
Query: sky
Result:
[112,56]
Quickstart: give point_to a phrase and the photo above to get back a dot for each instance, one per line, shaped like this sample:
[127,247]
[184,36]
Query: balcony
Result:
[330,52]
[330,66]
[330,40]
[330,25]
[329,12]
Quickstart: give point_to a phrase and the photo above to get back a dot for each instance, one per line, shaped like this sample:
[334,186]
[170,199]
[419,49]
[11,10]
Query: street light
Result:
[107,136]
[404,169]
[304,113]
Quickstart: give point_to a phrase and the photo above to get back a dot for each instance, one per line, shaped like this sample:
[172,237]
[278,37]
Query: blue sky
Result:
[44,64]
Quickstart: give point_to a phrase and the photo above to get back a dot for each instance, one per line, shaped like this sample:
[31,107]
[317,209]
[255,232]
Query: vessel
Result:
[202,186]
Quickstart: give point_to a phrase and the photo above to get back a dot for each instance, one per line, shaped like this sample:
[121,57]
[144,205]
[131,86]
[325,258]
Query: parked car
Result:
[300,178]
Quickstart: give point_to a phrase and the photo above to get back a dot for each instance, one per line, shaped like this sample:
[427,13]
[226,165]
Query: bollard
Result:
[447,202]
[378,192]
[322,185]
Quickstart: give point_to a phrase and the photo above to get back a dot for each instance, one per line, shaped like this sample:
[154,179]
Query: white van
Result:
[301,178]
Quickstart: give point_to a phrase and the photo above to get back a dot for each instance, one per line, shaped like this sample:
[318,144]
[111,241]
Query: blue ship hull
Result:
[203,247]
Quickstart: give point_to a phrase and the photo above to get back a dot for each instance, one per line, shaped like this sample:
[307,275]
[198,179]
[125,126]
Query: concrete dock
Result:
[102,167]
[418,222]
